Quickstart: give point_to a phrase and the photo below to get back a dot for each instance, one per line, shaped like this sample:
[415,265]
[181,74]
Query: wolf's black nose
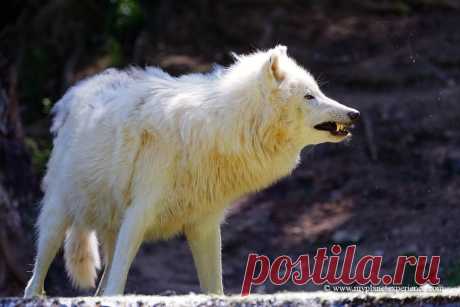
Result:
[354,116]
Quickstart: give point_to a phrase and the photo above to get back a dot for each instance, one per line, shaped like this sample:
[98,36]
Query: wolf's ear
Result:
[275,69]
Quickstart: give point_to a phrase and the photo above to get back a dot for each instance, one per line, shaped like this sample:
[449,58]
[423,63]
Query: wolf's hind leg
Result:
[205,242]
[108,245]
[52,224]
[129,240]
[146,192]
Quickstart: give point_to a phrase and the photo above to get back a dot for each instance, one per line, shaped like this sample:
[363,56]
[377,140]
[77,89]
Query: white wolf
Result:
[141,155]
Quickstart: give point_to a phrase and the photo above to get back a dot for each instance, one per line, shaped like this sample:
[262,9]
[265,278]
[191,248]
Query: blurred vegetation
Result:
[65,34]
[46,42]
[51,39]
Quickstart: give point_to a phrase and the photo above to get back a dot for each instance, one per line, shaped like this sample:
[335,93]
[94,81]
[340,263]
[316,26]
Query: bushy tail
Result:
[81,257]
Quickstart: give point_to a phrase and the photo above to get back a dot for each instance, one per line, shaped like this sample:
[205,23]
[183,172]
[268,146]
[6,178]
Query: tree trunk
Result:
[18,192]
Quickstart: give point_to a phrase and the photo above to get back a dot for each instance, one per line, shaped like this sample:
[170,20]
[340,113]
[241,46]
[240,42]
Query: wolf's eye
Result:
[309,97]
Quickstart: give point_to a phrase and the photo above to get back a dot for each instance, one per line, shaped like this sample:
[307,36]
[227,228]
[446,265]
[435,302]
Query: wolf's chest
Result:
[219,179]
[199,190]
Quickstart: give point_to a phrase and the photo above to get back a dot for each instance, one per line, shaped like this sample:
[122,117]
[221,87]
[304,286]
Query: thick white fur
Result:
[140,155]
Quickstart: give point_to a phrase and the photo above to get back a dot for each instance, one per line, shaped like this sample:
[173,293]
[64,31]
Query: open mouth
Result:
[337,129]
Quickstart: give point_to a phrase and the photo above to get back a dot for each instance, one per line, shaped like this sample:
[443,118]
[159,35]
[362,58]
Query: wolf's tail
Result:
[81,257]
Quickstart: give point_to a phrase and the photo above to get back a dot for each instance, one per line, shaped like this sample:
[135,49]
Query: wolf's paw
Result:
[40,295]
[32,291]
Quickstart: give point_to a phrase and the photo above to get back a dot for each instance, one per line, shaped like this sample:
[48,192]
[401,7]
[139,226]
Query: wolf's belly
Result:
[173,217]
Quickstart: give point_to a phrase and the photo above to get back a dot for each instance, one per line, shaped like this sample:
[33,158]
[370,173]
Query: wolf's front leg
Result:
[129,240]
[205,242]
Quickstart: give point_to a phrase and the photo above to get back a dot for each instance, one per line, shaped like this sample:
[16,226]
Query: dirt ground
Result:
[394,189]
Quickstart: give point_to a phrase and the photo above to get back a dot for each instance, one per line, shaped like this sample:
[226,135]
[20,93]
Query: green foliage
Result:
[47,104]
[452,278]
[123,17]
[128,14]
[115,51]
[35,71]
[39,153]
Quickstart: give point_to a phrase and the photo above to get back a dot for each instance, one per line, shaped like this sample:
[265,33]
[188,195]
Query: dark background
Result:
[393,190]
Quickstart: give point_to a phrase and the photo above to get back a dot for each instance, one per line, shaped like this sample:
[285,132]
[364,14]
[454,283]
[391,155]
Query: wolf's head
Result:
[303,109]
